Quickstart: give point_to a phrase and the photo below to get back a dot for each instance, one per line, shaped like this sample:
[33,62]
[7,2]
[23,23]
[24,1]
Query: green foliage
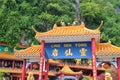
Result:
[1,74]
[17,17]
[85,78]
[92,13]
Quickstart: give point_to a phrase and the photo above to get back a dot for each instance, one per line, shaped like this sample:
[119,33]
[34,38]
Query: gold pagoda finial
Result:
[34,29]
[55,25]
[100,26]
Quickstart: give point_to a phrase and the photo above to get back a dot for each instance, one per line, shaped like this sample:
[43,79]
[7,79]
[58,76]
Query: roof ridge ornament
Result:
[55,25]
[34,29]
[109,41]
[32,44]
[100,26]
[62,23]
[82,24]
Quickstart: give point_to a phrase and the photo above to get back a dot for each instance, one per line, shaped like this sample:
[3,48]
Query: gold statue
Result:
[68,52]
[78,61]
[108,76]
[89,62]
[55,52]
[30,76]
[83,52]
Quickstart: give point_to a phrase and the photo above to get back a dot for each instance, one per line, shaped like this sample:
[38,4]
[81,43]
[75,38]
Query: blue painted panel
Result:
[6,49]
[68,50]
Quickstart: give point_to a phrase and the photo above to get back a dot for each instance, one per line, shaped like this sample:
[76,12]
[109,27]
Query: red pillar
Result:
[13,64]
[61,76]
[118,65]
[41,60]
[46,69]
[94,59]
[24,69]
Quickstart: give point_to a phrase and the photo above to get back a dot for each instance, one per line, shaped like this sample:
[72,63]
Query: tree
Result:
[17,17]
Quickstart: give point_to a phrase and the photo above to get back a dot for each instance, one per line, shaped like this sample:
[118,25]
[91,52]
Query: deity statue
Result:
[108,76]
[78,61]
[30,76]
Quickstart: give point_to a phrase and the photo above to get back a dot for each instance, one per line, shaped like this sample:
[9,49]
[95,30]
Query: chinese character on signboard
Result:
[83,51]
[55,52]
[68,52]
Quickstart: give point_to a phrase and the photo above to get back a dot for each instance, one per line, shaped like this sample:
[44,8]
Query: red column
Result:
[46,69]
[13,64]
[94,59]
[41,60]
[61,76]
[118,65]
[24,69]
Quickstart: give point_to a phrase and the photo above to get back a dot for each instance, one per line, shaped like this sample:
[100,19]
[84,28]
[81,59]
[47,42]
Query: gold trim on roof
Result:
[34,29]
[100,26]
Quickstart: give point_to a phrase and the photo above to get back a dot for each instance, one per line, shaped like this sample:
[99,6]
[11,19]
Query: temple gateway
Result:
[65,53]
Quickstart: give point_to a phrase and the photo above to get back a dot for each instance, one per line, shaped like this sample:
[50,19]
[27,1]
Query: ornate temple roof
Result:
[66,70]
[107,50]
[32,52]
[68,34]
[101,49]
[4,55]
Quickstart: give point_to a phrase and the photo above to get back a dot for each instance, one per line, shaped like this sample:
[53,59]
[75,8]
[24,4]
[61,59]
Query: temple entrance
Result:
[81,52]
